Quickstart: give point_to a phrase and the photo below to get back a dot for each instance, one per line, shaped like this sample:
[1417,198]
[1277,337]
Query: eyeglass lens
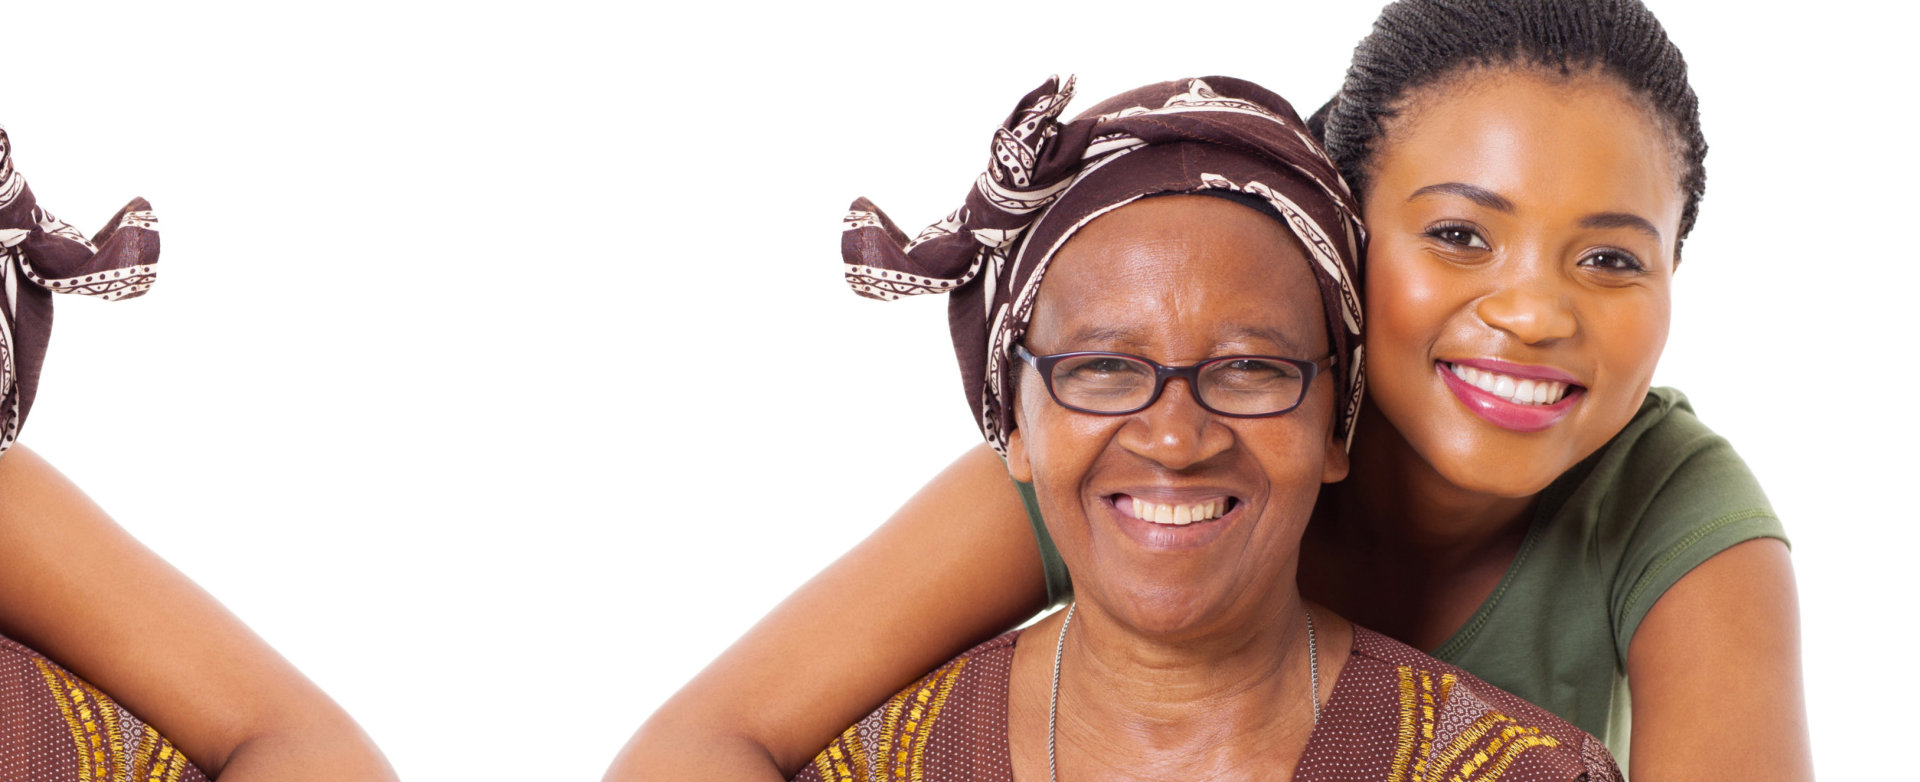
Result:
[1236,386]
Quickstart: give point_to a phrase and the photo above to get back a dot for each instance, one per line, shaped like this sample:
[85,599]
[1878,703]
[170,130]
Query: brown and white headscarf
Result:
[1046,179]
[39,256]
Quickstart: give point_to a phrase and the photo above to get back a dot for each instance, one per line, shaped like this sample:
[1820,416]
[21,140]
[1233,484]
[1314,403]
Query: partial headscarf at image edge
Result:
[1209,134]
[40,255]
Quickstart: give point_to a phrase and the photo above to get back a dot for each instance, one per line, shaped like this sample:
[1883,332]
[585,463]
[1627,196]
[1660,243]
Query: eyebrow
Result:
[1474,193]
[1284,341]
[1620,220]
[1105,335]
[1497,202]
[1108,335]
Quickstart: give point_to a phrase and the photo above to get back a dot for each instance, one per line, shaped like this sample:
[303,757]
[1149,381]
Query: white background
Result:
[410,397]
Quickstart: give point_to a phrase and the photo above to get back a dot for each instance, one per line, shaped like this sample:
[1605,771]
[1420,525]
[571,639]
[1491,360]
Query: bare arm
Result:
[871,623]
[1715,674]
[83,592]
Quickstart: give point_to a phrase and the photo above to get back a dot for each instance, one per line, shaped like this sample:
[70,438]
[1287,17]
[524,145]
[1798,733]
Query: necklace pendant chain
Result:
[1053,694]
[1313,665]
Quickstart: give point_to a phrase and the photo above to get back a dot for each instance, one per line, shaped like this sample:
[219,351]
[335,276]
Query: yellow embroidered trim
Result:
[905,725]
[1403,737]
[176,764]
[1421,699]
[939,701]
[72,704]
[116,760]
[1504,750]
[1470,737]
[1508,739]
[144,748]
[99,740]
[883,754]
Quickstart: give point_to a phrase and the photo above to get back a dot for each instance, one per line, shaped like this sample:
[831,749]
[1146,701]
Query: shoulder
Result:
[1664,457]
[1662,497]
[956,715]
[62,727]
[1448,722]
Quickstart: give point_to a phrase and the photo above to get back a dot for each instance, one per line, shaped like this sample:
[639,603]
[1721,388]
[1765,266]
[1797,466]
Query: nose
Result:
[1175,431]
[1534,309]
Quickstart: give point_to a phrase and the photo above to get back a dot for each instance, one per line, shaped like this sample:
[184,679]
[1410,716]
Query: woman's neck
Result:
[1397,500]
[1237,705]
[1400,549]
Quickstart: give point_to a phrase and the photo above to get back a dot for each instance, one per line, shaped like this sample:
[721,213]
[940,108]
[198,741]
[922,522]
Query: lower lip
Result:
[1504,413]
[1171,537]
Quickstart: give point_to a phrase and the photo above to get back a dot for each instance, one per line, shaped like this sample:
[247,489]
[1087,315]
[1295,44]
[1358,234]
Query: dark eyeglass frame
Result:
[1162,373]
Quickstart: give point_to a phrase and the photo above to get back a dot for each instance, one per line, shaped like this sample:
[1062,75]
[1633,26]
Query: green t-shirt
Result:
[1606,541]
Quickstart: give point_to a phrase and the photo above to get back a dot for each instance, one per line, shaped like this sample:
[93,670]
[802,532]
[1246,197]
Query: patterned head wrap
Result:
[1046,179]
[39,256]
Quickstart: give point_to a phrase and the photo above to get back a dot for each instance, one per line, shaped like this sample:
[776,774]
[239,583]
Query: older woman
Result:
[1177,391]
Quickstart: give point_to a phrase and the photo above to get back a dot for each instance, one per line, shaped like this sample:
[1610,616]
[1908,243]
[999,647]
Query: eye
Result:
[1102,370]
[1459,235]
[1251,372]
[1613,260]
[1106,365]
[1100,382]
[1258,368]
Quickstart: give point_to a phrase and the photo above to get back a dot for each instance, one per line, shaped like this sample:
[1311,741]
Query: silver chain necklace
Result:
[1053,695]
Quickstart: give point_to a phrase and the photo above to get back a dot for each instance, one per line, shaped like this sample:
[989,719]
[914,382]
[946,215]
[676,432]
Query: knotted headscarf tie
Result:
[1046,179]
[39,256]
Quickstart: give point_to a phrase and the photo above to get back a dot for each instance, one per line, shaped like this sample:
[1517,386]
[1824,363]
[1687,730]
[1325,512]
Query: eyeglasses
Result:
[1118,383]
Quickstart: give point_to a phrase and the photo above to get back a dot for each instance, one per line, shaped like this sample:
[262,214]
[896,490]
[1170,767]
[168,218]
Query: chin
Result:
[1495,480]
[1169,613]
[1511,465]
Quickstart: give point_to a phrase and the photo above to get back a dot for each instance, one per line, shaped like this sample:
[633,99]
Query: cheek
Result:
[1051,444]
[1631,332]
[1408,304]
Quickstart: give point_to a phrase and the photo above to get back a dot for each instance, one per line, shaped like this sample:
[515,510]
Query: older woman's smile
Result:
[1177,513]
[1176,521]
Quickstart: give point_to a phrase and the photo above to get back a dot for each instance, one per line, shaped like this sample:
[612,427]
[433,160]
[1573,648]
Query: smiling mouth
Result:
[1173,514]
[1518,390]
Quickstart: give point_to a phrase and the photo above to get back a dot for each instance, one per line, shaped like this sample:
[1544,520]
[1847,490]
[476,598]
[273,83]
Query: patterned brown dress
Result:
[1395,715]
[55,727]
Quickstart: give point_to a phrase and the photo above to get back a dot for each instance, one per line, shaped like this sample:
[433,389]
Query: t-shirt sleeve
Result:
[1059,584]
[1700,500]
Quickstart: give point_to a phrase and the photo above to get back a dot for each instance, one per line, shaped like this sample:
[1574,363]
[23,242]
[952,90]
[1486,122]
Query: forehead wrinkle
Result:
[1282,340]
[1104,334]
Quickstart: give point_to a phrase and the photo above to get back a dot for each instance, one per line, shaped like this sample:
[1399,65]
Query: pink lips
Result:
[1502,412]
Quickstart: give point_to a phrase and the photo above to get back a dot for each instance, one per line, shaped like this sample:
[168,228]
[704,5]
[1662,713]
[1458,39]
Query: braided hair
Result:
[1418,44]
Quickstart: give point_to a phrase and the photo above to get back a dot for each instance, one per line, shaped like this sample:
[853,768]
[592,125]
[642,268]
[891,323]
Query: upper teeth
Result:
[1161,513]
[1516,390]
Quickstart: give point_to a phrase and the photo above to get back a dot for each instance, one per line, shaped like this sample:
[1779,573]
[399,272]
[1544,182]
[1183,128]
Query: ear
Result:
[1017,464]
[1336,465]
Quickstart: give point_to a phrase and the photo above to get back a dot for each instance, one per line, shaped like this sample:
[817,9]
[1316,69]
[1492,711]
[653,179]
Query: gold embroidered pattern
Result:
[72,702]
[898,731]
[1512,740]
[1420,703]
[1480,753]
[1403,738]
[99,738]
